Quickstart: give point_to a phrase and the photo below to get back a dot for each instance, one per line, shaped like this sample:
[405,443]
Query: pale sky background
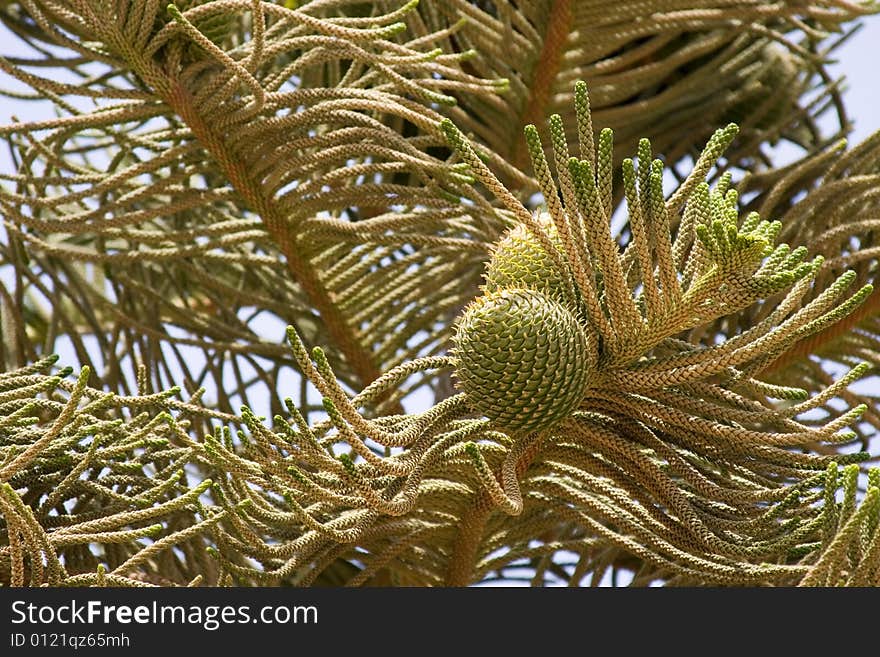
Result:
[858,60]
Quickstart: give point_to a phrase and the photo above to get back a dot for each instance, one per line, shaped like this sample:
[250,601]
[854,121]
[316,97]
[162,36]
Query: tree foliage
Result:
[552,313]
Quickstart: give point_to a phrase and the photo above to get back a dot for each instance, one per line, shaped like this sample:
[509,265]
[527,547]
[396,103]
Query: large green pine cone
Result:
[519,261]
[522,359]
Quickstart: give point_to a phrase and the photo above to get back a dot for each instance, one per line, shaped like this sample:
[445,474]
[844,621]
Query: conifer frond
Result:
[643,402]
[286,166]
[851,542]
[671,463]
[666,69]
[827,203]
[97,488]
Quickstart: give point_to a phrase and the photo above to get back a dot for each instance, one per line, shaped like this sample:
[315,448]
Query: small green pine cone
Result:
[522,359]
[518,260]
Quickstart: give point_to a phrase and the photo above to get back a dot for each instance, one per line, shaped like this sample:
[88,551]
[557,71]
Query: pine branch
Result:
[644,401]
[81,468]
[670,70]
[664,450]
[208,176]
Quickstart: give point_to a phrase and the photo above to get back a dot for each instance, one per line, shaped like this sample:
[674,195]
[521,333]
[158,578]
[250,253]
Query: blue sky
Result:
[858,60]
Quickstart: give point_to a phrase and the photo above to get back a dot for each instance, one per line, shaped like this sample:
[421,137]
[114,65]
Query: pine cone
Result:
[523,359]
[519,261]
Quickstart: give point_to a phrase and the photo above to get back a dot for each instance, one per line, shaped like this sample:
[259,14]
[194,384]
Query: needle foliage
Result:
[435,293]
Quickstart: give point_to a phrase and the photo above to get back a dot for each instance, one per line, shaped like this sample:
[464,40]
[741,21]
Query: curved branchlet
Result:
[829,204]
[639,402]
